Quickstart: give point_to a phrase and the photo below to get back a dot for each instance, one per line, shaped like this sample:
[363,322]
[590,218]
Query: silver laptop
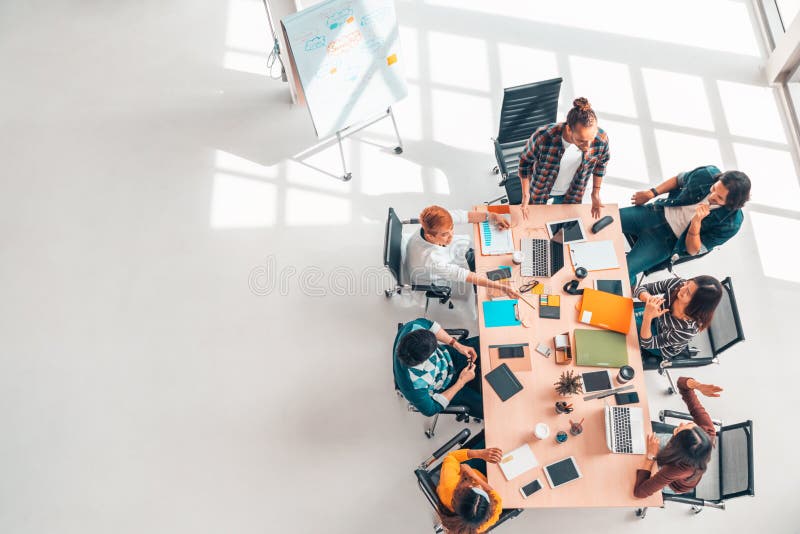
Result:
[625,429]
[542,257]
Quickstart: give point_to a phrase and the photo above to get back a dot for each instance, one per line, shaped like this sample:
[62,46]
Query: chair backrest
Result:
[735,444]
[526,108]
[725,329]
[393,245]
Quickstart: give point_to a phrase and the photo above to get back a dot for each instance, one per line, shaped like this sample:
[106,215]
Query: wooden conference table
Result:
[608,479]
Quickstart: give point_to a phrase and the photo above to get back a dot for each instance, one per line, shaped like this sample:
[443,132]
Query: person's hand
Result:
[701,212]
[491,456]
[467,374]
[709,390]
[596,204]
[641,197]
[653,308]
[469,352]
[652,445]
[499,221]
[512,293]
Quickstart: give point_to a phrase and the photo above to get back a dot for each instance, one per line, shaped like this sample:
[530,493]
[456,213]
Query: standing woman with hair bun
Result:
[559,159]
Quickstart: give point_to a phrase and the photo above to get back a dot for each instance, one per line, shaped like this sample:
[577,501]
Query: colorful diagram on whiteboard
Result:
[348,58]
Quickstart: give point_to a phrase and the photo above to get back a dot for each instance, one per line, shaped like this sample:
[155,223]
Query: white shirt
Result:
[679,217]
[427,263]
[567,167]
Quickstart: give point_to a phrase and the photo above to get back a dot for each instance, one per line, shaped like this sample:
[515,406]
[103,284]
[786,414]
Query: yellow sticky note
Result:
[351,19]
[333,71]
[554,300]
[391,59]
[538,290]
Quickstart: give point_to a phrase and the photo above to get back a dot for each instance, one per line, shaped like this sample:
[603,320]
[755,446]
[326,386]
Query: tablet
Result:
[596,381]
[561,472]
[573,230]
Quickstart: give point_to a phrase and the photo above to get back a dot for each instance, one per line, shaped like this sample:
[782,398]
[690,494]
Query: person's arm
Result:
[527,162]
[482,280]
[446,339]
[483,216]
[693,241]
[652,309]
[660,287]
[597,181]
[669,340]
[466,374]
[686,387]
[648,483]
[642,197]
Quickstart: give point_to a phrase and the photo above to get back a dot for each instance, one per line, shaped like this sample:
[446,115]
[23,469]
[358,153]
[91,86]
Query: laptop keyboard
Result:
[536,256]
[621,419]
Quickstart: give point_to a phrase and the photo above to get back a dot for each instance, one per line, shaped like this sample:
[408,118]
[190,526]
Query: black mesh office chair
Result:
[724,332]
[460,411]
[525,109]
[729,473]
[393,260]
[428,476]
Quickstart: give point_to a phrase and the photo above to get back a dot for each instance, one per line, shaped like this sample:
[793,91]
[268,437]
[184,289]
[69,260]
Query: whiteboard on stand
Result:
[348,58]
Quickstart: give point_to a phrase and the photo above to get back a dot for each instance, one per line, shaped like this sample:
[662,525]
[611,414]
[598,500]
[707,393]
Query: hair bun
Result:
[582,104]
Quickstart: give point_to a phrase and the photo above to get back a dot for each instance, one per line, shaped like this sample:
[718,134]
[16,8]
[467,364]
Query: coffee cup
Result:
[541,431]
[625,374]
[517,256]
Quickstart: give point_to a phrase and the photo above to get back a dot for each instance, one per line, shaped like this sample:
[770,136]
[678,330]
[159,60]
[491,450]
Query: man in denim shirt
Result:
[702,211]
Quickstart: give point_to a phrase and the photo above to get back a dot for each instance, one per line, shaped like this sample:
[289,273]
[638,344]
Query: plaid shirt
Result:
[719,225]
[542,157]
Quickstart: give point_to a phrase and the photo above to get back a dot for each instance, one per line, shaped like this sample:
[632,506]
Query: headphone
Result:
[571,287]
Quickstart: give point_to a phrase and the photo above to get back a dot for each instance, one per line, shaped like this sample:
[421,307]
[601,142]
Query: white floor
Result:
[192,333]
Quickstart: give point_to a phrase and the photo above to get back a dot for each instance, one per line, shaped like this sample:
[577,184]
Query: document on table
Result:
[518,461]
[593,255]
[495,241]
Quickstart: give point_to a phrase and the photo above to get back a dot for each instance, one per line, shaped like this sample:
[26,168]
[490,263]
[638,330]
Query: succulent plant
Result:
[569,384]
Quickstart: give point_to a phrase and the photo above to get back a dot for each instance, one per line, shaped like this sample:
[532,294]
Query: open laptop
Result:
[543,257]
[625,429]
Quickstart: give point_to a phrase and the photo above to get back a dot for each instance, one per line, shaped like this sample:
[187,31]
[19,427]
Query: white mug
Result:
[517,257]
[541,431]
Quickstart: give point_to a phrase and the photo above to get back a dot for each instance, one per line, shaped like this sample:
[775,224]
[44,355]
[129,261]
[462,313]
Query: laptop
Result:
[543,257]
[625,429]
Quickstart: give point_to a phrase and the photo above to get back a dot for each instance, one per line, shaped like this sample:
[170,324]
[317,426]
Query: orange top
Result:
[449,478]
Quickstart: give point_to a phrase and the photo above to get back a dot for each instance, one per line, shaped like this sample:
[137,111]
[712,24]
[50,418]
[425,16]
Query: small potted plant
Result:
[569,384]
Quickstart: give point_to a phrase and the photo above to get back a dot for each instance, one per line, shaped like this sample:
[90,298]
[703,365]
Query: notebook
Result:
[605,310]
[515,363]
[495,241]
[600,348]
[517,462]
[503,382]
[500,313]
[609,286]
[594,255]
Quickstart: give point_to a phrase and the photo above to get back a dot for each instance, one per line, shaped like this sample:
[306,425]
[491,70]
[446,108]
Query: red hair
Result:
[435,218]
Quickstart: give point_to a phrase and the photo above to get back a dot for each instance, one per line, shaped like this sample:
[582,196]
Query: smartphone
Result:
[498,274]
[530,489]
[626,398]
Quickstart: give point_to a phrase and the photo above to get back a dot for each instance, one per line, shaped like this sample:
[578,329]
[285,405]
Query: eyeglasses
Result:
[529,286]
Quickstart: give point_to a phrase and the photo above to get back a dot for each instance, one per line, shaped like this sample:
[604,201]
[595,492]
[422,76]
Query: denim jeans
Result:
[655,240]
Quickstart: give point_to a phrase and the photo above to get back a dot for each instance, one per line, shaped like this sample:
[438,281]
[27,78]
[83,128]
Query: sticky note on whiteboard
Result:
[586,317]
[391,60]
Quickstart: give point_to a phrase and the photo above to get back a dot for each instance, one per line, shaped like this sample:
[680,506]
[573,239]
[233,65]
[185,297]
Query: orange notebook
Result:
[606,310]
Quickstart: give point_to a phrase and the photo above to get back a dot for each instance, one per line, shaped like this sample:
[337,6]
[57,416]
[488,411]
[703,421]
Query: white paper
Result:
[594,255]
[518,461]
[586,317]
[494,241]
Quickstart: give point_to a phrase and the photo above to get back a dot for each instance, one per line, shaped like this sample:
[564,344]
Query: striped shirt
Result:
[673,334]
[541,159]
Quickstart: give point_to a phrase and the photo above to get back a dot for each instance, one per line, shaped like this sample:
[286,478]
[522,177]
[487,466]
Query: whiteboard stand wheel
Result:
[398,150]
[347,177]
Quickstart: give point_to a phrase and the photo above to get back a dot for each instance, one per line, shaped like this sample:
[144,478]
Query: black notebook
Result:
[503,382]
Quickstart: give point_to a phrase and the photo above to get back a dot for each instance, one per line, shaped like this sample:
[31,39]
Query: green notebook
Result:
[600,348]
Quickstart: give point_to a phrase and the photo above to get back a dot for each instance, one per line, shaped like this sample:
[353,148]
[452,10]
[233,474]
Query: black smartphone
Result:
[511,352]
[626,398]
[530,489]
[498,274]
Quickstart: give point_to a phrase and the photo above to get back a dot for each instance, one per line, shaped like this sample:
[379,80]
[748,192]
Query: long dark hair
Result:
[471,511]
[690,447]
[705,300]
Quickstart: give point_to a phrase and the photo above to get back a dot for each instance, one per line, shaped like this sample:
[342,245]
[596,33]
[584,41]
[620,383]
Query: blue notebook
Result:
[500,313]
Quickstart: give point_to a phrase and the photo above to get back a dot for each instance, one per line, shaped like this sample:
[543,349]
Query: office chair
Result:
[428,476]
[729,473]
[393,260]
[525,109]
[724,332]
[460,411]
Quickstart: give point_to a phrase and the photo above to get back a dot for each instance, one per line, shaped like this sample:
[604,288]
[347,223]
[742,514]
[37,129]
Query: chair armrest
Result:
[689,362]
[457,409]
[506,515]
[694,501]
[458,439]
[412,220]
[459,333]
[501,162]
[663,414]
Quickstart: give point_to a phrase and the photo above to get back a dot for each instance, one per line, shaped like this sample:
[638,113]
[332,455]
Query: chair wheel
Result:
[450,305]
[640,513]
[670,391]
[388,293]
[476,420]
[428,434]
[496,170]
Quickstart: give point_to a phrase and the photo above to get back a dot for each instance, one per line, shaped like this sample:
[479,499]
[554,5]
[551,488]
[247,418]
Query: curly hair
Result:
[471,511]
[581,113]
